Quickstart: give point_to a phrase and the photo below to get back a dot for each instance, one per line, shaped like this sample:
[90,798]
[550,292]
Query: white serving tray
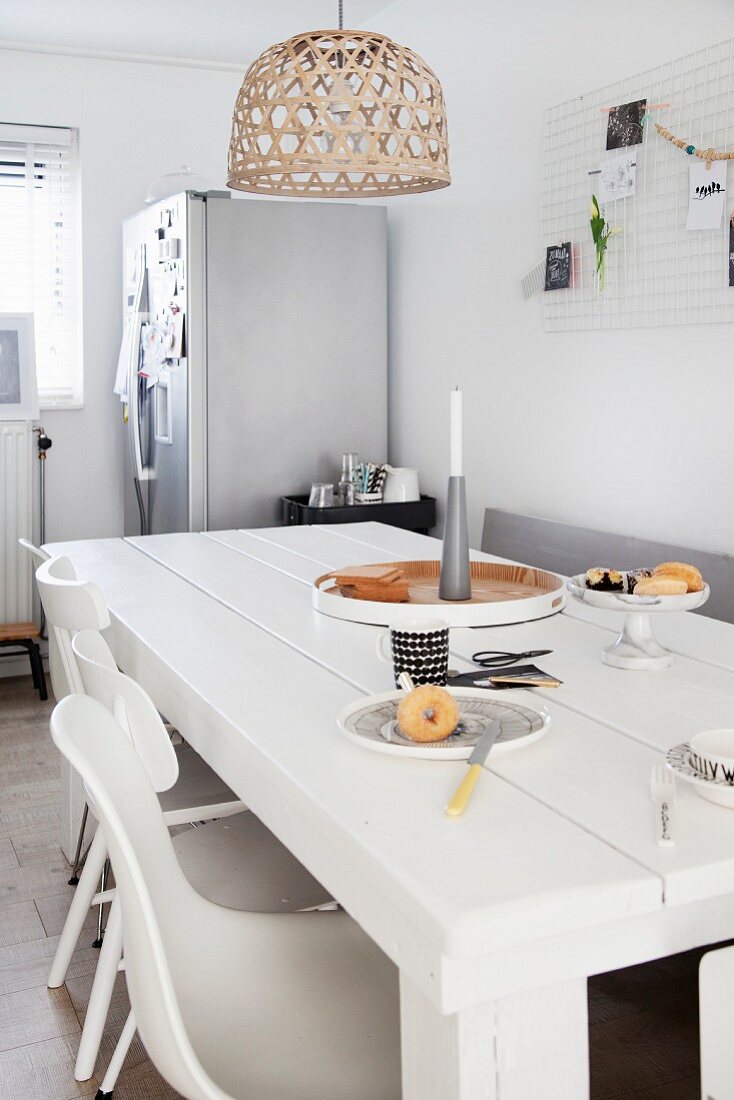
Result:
[501,594]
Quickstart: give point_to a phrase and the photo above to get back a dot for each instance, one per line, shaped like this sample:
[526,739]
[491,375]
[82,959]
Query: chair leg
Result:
[41,685]
[39,678]
[28,646]
[80,904]
[118,1057]
[79,841]
[100,912]
[101,995]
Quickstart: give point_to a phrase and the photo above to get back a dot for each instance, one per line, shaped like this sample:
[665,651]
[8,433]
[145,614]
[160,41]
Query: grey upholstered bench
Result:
[562,548]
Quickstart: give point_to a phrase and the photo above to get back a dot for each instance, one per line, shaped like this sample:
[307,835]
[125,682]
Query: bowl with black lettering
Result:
[712,755]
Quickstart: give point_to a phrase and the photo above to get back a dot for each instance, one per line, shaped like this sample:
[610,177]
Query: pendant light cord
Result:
[341,15]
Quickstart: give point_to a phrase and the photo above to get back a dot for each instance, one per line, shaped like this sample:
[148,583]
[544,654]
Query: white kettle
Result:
[401,485]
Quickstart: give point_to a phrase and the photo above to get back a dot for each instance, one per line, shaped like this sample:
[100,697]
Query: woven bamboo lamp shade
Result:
[339,114]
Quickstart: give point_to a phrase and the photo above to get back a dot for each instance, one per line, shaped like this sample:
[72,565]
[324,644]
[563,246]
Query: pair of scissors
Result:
[494,658]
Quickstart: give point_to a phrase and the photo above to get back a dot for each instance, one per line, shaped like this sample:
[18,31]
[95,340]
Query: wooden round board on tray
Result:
[501,594]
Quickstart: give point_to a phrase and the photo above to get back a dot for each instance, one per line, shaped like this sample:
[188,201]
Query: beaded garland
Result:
[708,155]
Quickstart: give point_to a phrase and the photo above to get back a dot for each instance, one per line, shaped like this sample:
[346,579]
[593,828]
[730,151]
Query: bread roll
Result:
[661,586]
[683,571]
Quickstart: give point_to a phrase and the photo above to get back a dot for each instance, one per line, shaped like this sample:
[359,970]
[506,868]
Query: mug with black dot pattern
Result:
[419,647]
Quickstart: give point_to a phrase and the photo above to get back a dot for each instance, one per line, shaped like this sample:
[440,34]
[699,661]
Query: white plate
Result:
[370,722]
[712,789]
[623,601]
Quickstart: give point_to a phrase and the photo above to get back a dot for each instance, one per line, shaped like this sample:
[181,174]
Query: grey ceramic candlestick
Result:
[455,580]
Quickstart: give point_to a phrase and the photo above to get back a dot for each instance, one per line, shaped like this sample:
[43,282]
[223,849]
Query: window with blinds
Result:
[39,254]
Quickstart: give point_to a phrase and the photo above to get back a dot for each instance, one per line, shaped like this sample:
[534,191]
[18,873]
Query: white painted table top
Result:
[558,842]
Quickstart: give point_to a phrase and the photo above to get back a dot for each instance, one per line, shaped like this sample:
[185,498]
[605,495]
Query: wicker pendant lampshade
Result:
[339,114]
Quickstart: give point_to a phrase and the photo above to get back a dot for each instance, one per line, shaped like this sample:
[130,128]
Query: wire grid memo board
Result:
[658,272]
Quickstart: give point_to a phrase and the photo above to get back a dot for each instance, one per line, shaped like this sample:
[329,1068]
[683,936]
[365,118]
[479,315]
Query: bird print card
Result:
[706,194]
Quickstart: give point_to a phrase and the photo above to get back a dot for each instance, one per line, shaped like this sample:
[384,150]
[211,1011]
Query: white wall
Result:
[626,431]
[622,430]
[135,121]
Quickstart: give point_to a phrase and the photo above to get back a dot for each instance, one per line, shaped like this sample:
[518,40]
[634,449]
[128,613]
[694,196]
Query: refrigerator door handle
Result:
[163,428]
[142,472]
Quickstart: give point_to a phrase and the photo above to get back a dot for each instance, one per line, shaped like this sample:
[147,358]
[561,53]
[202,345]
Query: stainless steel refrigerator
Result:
[254,353]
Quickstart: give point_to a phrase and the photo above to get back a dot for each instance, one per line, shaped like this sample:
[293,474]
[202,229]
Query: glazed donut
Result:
[681,569]
[661,585]
[428,713]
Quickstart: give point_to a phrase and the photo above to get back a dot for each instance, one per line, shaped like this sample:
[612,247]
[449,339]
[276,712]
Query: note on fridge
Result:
[123,359]
[175,336]
[153,341]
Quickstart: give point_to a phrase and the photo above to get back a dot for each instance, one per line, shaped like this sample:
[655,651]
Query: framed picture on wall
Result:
[18,387]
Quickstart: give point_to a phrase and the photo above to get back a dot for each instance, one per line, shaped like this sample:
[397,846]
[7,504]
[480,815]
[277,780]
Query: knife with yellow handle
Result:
[460,798]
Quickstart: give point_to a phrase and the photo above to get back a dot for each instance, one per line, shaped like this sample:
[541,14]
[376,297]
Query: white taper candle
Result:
[456,441]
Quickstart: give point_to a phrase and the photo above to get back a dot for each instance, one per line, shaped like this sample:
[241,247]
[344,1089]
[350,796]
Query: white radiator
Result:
[16,496]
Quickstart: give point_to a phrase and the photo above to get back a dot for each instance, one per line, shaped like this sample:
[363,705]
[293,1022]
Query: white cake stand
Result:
[636,647]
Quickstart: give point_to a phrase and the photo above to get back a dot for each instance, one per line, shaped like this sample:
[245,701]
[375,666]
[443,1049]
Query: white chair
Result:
[64,676]
[231,1005]
[38,557]
[70,605]
[235,861]
[199,794]
[715,984]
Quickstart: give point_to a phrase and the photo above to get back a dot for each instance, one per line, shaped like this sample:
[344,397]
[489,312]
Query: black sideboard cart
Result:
[413,515]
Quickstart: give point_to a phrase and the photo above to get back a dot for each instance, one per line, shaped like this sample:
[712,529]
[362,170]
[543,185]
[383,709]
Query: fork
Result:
[663,794]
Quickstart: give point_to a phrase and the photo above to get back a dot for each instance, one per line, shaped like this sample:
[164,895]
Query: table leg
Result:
[529,1046]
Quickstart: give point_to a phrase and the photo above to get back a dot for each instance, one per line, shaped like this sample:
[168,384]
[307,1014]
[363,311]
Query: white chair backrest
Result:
[55,663]
[129,703]
[70,605]
[39,556]
[156,899]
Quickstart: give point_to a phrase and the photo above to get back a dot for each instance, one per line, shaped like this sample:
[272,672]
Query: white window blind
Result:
[39,269]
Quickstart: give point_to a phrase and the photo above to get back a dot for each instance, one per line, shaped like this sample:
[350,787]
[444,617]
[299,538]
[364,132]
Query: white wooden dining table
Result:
[495,920]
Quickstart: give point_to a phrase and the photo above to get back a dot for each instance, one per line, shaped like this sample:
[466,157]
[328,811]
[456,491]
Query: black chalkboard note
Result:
[731,252]
[625,124]
[558,266]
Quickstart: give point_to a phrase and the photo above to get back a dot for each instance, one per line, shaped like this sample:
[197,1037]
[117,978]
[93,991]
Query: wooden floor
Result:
[643,1021]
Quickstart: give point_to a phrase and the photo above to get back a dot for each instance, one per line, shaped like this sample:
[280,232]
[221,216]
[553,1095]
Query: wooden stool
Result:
[23,635]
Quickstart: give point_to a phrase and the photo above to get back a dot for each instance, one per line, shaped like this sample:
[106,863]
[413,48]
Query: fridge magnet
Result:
[617,177]
[18,386]
[706,194]
[625,124]
[558,266]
